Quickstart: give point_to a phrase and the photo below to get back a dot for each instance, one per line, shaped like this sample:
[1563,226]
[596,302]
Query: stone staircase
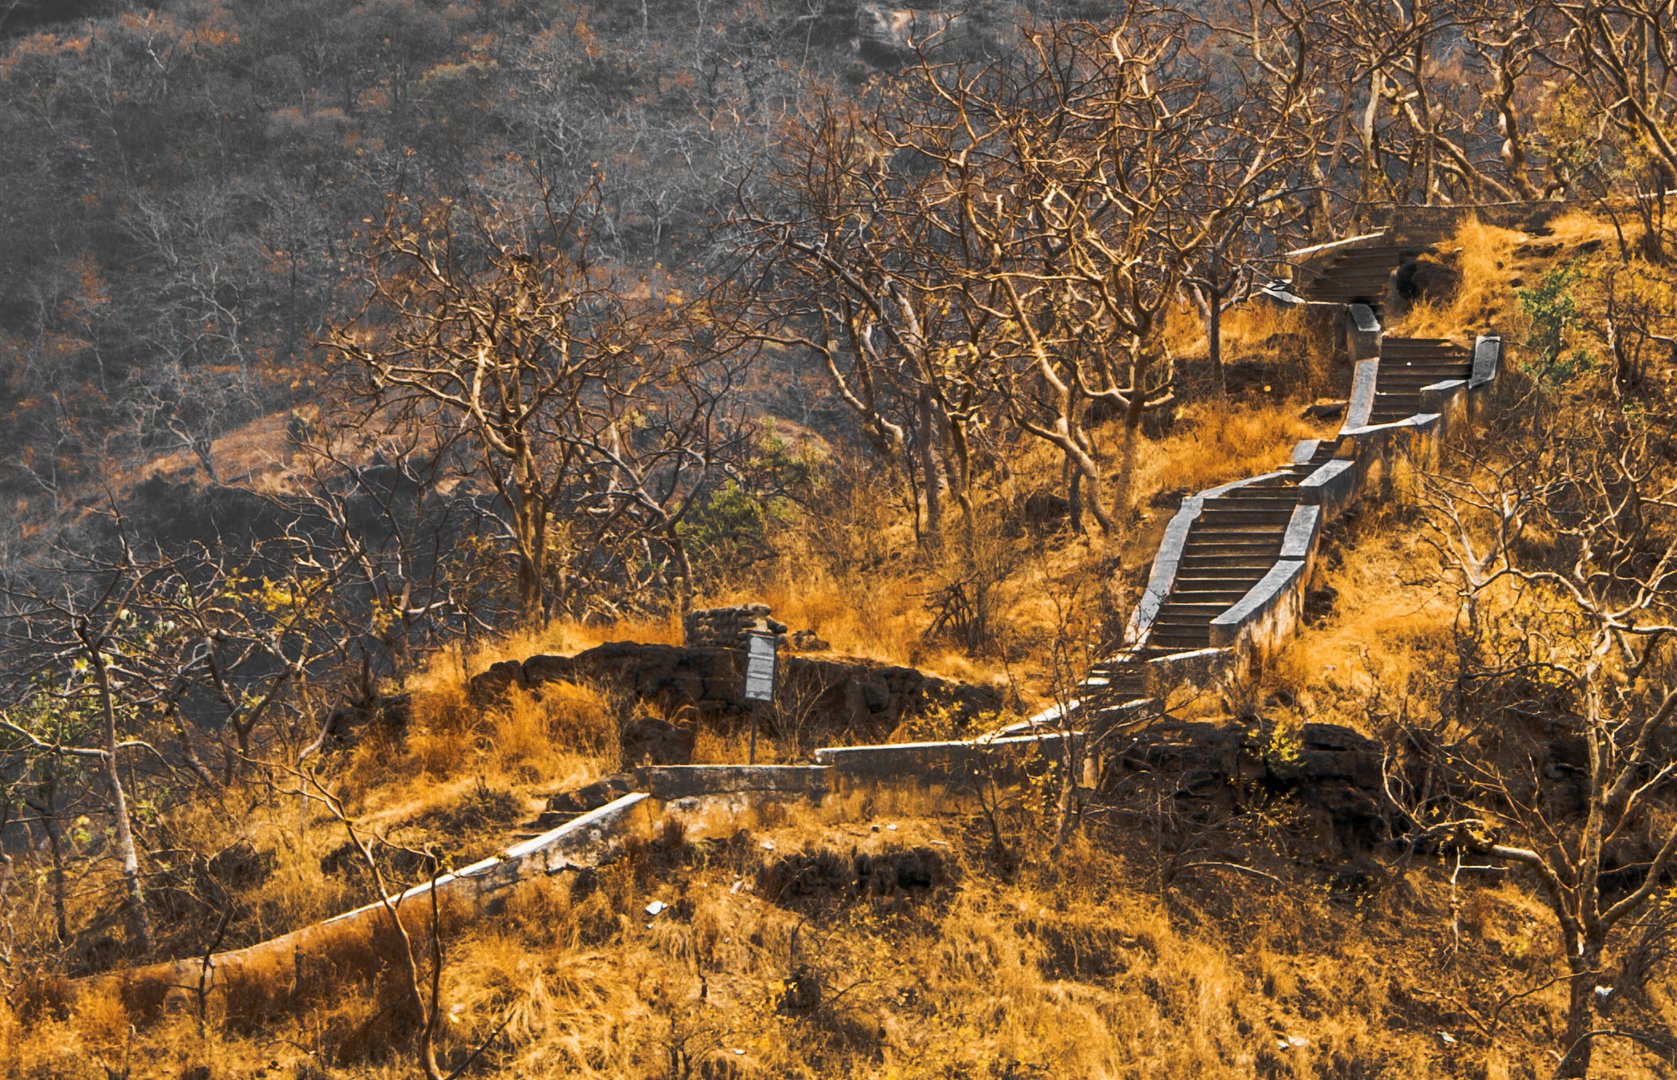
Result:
[1407,366]
[1355,276]
[1236,553]
[1231,545]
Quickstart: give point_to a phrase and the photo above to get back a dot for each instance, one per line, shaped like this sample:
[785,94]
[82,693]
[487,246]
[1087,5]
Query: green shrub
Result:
[1553,310]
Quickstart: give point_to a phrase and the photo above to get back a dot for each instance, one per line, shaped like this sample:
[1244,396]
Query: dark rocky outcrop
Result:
[572,804]
[351,721]
[1044,510]
[657,742]
[822,874]
[850,695]
[1212,771]
[1425,279]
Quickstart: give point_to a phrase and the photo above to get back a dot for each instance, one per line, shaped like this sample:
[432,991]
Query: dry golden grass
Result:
[1389,626]
[1214,443]
[1184,331]
[558,636]
[1260,330]
[1062,967]
[1485,257]
[1576,228]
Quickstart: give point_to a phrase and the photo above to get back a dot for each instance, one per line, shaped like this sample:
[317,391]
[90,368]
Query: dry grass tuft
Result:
[1387,629]
[1260,330]
[1215,443]
[565,636]
[561,729]
[1576,228]
[1485,256]
[561,735]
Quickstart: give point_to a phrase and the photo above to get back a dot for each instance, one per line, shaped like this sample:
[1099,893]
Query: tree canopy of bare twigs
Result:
[1553,748]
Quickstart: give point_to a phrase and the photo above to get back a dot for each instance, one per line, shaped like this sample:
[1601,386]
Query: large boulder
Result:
[1425,280]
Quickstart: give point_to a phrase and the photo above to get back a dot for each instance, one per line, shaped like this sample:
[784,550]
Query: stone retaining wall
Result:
[728,627]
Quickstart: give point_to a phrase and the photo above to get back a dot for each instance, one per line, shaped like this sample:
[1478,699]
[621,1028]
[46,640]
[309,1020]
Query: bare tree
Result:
[849,255]
[592,418]
[1625,55]
[1553,747]
[1006,239]
[75,640]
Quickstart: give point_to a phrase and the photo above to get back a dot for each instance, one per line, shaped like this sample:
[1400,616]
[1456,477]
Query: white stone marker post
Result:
[759,678]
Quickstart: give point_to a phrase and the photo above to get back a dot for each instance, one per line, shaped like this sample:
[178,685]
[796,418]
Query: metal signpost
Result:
[759,678]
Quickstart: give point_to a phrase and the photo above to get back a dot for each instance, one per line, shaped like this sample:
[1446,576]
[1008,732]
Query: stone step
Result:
[1400,379]
[1423,354]
[1172,633]
[1169,643]
[1397,348]
[1208,578]
[1190,608]
[1231,540]
[1228,591]
[1266,532]
[1234,591]
[1204,566]
[1233,529]
[1389,367]
[1218,582]
[1280,513]
[1217,576]
[1257,552]
[1407,342]
[1182,625]
[1119,674]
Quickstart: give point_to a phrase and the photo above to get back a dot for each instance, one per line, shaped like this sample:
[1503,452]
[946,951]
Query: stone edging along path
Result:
[696,796]
[1225,591]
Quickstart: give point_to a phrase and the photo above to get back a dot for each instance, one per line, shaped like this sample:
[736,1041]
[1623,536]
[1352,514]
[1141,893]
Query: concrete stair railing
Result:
[1227,586]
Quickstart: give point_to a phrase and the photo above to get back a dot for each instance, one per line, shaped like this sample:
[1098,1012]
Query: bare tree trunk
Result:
[532,541]
[1074,495]
[929,470]
[55,846]
[1580,1005]
[684,571]
[139,923]
[1125,476]
[1214,339]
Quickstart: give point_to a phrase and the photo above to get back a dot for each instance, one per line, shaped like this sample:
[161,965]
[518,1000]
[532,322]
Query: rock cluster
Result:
[728,627]
[825,874]
[1211,771]
[865,699]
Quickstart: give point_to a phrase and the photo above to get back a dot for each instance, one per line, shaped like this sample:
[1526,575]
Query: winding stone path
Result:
[1226,587]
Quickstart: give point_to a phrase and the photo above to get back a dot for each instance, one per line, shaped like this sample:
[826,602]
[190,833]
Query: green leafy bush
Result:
[1553,310]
